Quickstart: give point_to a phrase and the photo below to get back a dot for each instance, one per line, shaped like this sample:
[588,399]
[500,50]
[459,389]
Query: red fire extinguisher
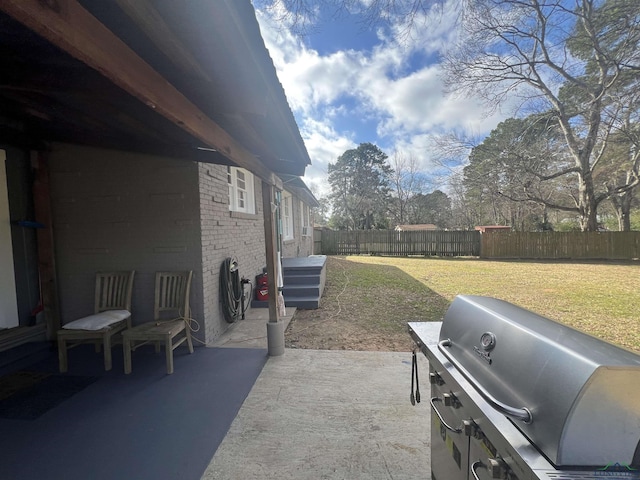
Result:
[262,287]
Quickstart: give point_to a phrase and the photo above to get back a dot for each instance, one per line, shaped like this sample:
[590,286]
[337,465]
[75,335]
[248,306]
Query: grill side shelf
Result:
[522,413]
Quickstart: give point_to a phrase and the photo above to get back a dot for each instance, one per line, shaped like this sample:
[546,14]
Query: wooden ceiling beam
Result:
[67,25]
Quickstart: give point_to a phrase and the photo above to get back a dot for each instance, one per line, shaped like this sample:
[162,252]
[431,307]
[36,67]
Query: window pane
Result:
[241,180]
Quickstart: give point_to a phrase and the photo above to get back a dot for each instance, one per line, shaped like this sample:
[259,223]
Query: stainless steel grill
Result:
[518,396]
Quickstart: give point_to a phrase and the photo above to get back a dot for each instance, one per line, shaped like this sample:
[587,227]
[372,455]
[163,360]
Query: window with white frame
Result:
[241,194]
[304,219]
[287,216]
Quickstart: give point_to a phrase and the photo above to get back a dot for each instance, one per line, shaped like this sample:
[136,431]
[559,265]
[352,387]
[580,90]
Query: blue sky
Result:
[348,85]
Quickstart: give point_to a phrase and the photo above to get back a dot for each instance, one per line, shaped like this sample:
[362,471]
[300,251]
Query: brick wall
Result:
[299,246]
[226,234]
[119,211]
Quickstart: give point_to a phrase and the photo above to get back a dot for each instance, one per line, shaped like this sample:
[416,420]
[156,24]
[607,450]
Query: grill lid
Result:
[576,398]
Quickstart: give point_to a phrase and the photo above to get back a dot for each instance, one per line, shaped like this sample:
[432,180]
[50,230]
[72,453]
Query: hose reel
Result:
[232,290]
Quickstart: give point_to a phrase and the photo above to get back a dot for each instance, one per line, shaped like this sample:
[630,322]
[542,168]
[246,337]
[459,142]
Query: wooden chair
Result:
[112,314]
[171,295]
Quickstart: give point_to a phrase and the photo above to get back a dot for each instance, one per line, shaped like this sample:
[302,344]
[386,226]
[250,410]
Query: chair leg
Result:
[168,346]
[62,354]
[106,341]
[126,348]
[188,334]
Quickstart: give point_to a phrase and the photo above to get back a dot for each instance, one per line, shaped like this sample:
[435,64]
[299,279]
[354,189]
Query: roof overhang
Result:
[296,185]
[180,78]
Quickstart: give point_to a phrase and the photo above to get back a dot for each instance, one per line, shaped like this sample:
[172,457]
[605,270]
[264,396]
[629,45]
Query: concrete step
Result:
[295,291]
[312,265]
[308,302]
[313,261]
[301,271]
[304,279]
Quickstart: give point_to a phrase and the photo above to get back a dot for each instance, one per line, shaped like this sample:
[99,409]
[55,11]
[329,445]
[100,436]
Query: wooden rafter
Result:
[67,25]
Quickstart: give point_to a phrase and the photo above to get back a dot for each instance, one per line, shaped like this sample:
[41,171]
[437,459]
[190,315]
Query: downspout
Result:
[282,311]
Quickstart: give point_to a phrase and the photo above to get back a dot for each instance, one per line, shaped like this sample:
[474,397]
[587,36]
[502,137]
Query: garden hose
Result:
[231,289]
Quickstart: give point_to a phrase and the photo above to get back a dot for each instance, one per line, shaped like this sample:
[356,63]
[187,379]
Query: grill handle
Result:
[496,467]
[444,424]
[476,465]
[523,413]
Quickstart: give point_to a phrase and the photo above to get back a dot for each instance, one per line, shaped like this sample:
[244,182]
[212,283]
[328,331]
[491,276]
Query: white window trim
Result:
[287,216]
[306,223]
[233,183]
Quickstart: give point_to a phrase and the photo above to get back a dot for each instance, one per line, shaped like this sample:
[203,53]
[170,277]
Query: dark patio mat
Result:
[26,395]
[145,426]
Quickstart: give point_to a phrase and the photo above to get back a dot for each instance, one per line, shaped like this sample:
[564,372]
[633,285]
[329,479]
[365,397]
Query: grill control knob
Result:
[435,379]
[497,468]
[450,400]
[470,428]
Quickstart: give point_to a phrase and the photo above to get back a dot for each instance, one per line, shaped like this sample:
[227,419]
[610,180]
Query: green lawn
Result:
[602,299]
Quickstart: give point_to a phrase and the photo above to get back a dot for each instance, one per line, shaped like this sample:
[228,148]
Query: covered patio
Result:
[124,129]
[225,413]
[121,121]
[106,425]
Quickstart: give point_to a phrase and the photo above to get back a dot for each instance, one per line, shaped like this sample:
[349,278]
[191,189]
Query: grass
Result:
[369,300]
[602,299]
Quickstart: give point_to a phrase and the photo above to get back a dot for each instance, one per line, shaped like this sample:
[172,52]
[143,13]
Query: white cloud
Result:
[324,145]
[316,80]
[406,100]
[430,31]
[308,79]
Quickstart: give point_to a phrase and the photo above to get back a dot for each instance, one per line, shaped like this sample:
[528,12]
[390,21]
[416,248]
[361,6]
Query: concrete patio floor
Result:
[226,414]
[252,331]
[326,415]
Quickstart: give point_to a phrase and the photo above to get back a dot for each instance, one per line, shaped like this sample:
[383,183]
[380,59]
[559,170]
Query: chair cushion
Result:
[98,321]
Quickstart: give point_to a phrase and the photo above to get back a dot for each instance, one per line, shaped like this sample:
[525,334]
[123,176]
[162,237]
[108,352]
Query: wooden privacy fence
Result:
[317,241]
[500,244]
[390,242]
[560,245]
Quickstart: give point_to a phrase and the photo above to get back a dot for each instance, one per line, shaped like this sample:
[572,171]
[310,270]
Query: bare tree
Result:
[465,215]
[407,180]
[301,16]
[568,57]
[623,159]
